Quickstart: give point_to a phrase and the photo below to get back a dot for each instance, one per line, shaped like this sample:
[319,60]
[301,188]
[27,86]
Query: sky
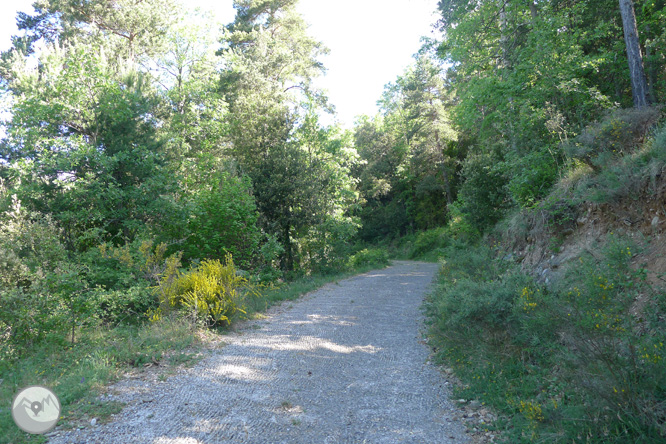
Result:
[371,42]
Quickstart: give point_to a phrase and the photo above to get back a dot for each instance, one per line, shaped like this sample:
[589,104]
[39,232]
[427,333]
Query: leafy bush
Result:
[121,267]
[624,351]
[533,175]
[222,219]
[211,293]
[483,196]
[29,246]
[368,257]
[30,252]
[127,306]
[270,251]
[427,241]
[326,246]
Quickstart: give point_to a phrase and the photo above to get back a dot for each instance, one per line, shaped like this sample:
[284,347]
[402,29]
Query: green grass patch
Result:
[78,372]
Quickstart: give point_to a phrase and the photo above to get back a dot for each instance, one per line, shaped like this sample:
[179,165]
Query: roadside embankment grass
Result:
[575,362]
[78,372]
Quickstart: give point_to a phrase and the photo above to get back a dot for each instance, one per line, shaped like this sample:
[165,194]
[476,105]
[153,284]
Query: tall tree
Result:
[639,87]
[273,125]
[410,153]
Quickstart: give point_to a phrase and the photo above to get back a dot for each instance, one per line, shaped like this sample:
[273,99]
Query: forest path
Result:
[344,364]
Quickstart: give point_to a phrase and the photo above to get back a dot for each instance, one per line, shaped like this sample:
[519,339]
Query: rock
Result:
[462,401]
[475,404]
[93,421]
[655,222]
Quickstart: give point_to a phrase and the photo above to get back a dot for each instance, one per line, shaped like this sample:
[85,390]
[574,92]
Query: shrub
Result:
[211,293]
[427,241]
[30,251]
[619,133]
[222,219]
[533,175]
[126,306]
[483,196]
[578,359]
[270,252]
[616,359]
[368,257]
[326,246]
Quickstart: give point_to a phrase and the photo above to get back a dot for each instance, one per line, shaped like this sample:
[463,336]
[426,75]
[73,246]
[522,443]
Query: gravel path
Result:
[344,364]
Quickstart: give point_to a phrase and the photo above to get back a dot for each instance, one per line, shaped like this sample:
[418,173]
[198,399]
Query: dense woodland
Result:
[155,161]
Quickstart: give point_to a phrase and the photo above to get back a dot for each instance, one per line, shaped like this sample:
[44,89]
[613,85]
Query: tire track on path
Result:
[342,365]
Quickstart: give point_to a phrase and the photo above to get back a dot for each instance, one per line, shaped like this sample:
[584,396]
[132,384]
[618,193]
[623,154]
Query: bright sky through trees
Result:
[371,42]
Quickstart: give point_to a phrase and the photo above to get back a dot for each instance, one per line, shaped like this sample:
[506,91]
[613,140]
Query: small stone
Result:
[475,404]
[93,421]
[655,222]
[462,401]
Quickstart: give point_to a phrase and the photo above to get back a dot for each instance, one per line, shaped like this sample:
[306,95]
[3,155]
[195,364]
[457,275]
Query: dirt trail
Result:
[342,365]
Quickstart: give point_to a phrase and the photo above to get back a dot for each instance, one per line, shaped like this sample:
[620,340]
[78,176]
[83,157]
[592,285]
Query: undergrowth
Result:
[568,363]
[211,294]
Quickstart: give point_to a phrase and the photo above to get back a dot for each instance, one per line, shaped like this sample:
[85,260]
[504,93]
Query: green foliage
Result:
[368,257]
[569,361]
[270,252]
[222,219]
[410,155]
[299,169]
[534,176]
[484,198]
[428,241]
[99,172]
[212,293]
[126,306]
[30,252]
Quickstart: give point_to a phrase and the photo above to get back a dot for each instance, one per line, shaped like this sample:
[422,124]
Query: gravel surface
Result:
[344,364]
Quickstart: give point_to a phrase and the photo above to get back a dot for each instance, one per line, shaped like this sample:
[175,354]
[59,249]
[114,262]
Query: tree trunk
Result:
[639,87]
[504,63]
[533,10]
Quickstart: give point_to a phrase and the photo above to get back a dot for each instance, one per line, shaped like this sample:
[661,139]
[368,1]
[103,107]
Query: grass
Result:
[426,246]
[567,363]
[78,373]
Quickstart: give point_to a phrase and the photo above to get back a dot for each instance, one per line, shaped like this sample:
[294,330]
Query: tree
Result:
[273,124]
[639,87]
[83,146]
[408,179]
[130,29]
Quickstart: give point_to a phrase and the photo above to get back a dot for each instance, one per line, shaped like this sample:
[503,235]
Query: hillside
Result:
[556,317]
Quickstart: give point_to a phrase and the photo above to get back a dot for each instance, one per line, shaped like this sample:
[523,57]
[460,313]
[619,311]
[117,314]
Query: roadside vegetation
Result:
[163,177]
